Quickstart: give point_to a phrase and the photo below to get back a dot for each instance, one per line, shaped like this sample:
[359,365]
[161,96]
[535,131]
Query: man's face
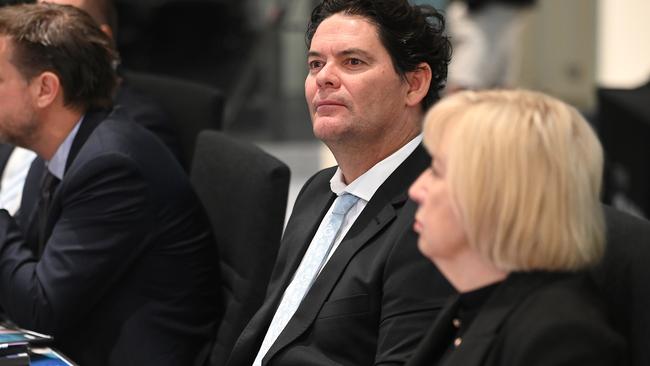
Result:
[17,117]
[353,92]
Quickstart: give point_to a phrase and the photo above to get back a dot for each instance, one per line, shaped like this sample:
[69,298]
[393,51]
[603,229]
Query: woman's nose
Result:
[416,191]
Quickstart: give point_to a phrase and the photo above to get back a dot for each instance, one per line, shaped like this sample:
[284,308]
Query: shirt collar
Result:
[369,182]
[56,165]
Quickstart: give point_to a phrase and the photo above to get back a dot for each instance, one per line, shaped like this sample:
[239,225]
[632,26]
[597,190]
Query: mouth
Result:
[417,226]
[328,104]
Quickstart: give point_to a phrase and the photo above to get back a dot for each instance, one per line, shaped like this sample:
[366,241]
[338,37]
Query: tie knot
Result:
[343,203]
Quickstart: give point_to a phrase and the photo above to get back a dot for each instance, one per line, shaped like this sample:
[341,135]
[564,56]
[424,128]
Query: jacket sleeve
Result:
[104,219]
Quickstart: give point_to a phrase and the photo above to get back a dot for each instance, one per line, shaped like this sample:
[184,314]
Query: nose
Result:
[417,189]
[328,77]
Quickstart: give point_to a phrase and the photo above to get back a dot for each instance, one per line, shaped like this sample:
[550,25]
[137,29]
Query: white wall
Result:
[623,46]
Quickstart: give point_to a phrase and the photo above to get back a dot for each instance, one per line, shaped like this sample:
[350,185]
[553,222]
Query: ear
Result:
[46,88]
[107,30]
[418,82]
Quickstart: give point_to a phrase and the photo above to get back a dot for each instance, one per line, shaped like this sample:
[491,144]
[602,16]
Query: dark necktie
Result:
[48,185]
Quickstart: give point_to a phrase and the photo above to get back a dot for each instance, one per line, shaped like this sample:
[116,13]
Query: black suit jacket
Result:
[375,296]
[127,274]
[530,319]
[5,153]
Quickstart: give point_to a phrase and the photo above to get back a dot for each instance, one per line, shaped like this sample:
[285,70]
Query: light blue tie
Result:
[307,271]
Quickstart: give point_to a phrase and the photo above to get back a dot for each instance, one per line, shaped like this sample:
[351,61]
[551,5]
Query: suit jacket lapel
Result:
[327,279]
[436,341]
[91,120]
[5,153]
[378,213]
[296,239]
[27,217]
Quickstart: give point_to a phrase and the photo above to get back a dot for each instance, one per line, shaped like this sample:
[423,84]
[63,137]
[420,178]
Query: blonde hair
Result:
[525,173]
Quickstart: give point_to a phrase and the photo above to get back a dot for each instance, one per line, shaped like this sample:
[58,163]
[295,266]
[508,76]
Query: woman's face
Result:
[436,221]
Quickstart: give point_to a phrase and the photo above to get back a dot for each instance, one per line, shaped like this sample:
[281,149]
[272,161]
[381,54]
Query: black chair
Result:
[193,107]
[624,128]
[624,279]
[244,191]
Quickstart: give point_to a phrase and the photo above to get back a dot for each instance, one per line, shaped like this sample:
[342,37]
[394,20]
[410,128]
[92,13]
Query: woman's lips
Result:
[417,226]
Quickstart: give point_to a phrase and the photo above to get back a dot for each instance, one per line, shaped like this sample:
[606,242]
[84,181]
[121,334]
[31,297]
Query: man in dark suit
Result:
[349,286]
[142,109]
[117,260]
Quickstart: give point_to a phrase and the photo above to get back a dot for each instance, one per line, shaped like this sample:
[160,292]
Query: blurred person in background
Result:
[485,38]
[509,212]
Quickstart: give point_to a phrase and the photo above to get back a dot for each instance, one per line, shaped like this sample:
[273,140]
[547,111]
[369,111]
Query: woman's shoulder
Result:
[563,319]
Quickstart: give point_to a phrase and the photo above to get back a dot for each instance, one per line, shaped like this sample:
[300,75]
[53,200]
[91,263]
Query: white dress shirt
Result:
[56,165]
[13,178]
[366,185]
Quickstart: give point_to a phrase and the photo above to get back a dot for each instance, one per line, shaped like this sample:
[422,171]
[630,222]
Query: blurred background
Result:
[594,54]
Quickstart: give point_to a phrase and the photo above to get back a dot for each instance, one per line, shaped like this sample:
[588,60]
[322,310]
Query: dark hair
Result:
[67,42]
[411,34]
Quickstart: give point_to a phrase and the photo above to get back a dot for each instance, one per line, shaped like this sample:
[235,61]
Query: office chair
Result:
[244,191]
[193,107]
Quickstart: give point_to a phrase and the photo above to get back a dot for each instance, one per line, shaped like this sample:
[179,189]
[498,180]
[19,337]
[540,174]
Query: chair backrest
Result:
[244,191]
[193,107]
[212,29]
[624,279]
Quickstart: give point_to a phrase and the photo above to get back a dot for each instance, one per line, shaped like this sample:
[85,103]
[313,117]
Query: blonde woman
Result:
[509,213]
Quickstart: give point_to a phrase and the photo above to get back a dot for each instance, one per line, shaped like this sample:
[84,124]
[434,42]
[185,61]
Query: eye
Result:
[434,169]
[354,62]
[315,64]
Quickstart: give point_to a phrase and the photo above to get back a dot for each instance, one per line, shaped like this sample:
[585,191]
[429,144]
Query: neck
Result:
[55,127]
[354,158]
[469,271]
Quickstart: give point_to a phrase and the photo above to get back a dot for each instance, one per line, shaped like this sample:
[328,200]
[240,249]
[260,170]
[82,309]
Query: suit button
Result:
[458,341]
[456,323]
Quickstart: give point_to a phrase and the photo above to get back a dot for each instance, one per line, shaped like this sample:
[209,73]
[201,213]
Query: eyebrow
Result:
[346,52]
